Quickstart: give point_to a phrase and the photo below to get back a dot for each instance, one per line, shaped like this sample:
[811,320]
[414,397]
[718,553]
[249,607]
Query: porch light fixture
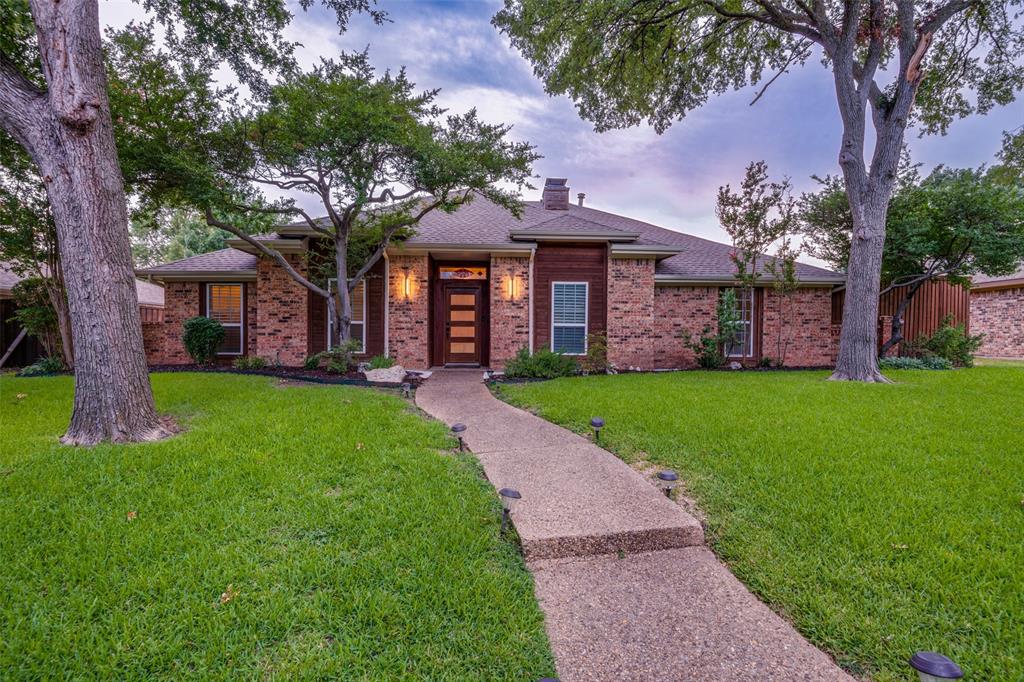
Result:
[933,667]
[669,479]
[597,424]
[512,287]
[458,430]
[406,283]
[509,499]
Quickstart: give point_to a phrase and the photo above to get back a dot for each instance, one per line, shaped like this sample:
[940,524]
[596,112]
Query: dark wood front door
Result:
[464,323]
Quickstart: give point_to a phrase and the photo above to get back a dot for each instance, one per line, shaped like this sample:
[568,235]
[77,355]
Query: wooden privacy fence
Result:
[932,303]
[151,314]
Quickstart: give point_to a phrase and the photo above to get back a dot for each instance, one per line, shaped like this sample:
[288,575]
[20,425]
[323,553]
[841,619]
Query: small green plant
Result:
[337,360]
[951,342]
[596,359]
[544,364]
[381,362]
[708,346]
[249,362]
[201,337]
[43,367]
[906,362]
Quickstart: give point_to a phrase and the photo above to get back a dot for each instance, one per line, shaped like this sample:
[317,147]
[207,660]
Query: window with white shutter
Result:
[569,317]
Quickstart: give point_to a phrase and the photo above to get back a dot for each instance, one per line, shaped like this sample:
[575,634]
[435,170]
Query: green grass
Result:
[357,550]
[880,519]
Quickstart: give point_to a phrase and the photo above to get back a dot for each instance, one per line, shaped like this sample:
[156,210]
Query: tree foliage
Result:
[373,153]
[893,64]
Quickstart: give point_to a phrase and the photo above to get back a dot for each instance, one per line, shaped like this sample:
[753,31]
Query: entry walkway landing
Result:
[628,589]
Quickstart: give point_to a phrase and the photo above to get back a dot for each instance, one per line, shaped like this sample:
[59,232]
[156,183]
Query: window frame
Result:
[241,323]
[748,325]
[586,317]
[331,282]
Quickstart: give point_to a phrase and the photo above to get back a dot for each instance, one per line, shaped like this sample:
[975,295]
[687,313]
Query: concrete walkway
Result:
[627,587]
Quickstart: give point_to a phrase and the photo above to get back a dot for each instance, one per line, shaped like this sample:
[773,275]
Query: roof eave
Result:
[995,285]
[279,245]
[689,280]
[198,275]
[417,249]
[644,251]
[573,236]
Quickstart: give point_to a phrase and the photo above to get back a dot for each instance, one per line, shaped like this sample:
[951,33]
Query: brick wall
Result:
[408,320]
[631,311]
[153,341]
[510,308]
[281,313]
[678,310]
[999,315]
[181,302]
[690,309]
[806,323]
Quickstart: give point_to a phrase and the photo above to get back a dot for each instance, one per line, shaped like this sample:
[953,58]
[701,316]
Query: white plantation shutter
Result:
[569,317]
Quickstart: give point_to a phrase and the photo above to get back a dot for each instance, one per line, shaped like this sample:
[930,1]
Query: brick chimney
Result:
[556,195]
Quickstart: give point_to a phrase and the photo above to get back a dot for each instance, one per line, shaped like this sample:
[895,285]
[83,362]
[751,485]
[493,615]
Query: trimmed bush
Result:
[544,364]
[951,342]
[201,337]
[336,360]
[596,359]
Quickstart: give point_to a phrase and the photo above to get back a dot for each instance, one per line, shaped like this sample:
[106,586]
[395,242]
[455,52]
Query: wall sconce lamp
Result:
[513,289]
[406,283]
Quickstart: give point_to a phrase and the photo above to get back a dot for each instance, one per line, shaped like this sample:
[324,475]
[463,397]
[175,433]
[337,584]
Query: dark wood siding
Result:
[375,283]
[930,305]
[28,350]
[569,263]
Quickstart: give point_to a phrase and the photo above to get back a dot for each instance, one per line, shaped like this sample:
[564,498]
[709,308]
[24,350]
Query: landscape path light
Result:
[406,390]
[597,424]
[668,479]
[509,499]
[933,667]
[458,430]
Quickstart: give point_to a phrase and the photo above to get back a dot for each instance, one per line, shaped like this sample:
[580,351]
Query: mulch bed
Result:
[316,376]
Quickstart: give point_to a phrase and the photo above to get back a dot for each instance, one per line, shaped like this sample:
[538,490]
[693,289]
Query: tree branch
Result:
[20,104]
[212,221]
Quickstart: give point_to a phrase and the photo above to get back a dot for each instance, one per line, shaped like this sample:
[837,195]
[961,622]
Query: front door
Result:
[463,324]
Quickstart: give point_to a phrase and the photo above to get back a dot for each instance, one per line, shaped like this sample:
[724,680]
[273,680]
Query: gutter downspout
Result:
[530,303]
[387,304]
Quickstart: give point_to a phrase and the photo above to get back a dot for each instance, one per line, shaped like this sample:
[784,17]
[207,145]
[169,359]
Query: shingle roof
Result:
[149,294]
[482,222]
[225,260]
[985,279]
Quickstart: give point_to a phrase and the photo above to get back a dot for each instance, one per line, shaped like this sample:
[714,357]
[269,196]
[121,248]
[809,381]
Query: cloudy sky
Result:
[668,179]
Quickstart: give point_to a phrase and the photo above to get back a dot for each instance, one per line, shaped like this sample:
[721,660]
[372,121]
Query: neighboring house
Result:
[474,286]
[997,311]
[28,350]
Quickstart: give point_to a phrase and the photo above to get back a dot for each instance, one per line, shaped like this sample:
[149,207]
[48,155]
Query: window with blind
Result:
[742,345]
[357,326]
[224,303]
[569,317]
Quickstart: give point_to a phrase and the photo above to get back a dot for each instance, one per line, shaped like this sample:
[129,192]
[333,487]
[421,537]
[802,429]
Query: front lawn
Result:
[308,532]
[880,519]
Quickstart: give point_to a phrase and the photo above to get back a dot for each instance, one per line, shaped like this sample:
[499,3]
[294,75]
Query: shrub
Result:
[249,362]
[596,359]
[951,342]
[905,362]
[43,367]
[337,360]
[201,337]
[381,362]
[708,346]
[544,364]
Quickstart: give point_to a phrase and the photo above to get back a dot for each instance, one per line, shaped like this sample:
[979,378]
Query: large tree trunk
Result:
[69,133]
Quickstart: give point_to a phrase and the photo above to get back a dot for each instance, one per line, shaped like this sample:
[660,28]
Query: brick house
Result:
[997,311]
[474,286]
